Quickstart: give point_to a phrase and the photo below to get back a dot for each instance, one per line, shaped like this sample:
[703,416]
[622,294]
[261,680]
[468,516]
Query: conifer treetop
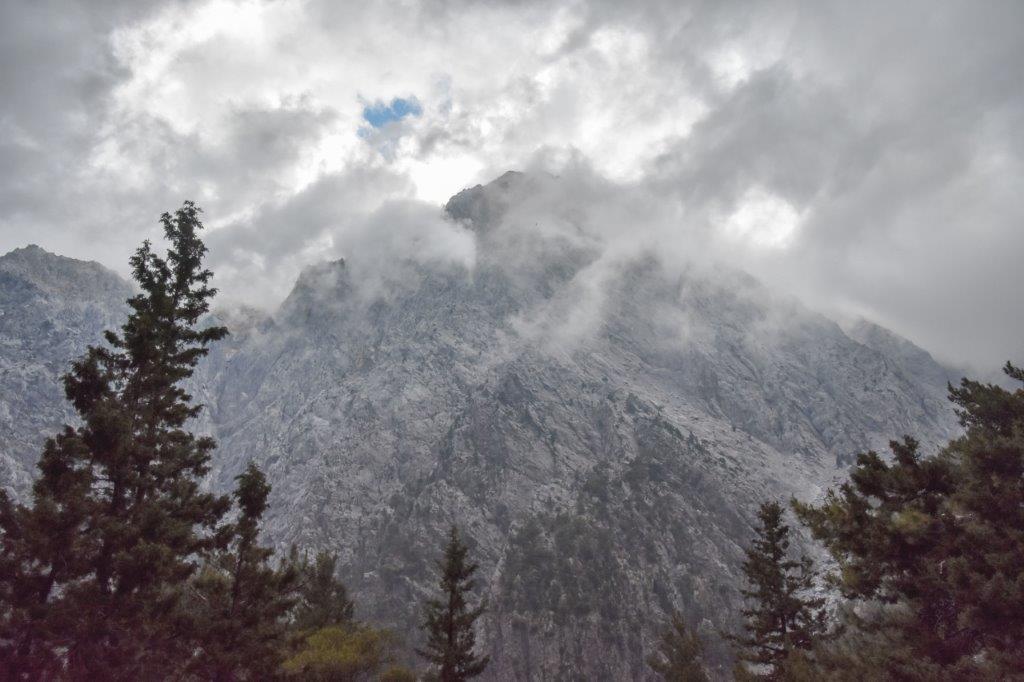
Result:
[449,621]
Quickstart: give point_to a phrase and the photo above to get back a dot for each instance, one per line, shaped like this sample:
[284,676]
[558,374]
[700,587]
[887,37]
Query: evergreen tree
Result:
[940,540]
[92,571]
[782,617]
[855,650]
[327,642]
[241,600]
[680,654]
[322,598]
[449,620]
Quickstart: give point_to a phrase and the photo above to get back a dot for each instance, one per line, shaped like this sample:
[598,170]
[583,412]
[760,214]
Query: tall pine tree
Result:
[940,542]
[680,654]
[782,617]
[449,620]
[322,598]
[93,570]
[242,602]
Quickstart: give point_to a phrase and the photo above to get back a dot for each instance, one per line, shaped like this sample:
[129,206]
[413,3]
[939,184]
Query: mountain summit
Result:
[51,308]
[603,446]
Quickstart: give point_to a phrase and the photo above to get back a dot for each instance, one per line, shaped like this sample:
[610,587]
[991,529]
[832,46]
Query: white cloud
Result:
[816,145]
[762,219]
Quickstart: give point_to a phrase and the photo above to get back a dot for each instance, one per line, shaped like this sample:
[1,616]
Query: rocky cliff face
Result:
[51,308]
[602,434]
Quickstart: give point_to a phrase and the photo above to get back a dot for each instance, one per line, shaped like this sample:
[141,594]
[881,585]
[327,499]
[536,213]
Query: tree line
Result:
[124,567]
[928,553]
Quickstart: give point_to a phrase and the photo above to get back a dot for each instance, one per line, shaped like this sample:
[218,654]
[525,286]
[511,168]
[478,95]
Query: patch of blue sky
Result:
[380,114]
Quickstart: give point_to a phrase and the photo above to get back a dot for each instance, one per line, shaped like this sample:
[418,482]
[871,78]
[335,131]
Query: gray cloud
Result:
[362,214]
[867,157]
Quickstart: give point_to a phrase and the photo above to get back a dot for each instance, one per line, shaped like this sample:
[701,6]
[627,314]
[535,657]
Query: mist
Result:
[818,148]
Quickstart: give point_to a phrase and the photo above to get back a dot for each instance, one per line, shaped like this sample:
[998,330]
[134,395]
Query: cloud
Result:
[365,214]
[866,157]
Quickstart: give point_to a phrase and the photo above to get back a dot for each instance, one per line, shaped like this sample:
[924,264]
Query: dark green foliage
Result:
[98,577]
[782,617]
[941,541]
[240,601]
[93,570]
[449,620]
[680,654]
[322,598]
[856,650]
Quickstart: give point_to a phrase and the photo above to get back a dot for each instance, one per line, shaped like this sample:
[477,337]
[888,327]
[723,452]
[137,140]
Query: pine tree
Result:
[783,617]
[940,541]
[449,620]
[93,570]
[241,601]
[322,598]
[680,654]
[327,642]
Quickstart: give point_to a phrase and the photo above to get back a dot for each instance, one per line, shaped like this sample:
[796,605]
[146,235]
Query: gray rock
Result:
[51,308]
[605,471]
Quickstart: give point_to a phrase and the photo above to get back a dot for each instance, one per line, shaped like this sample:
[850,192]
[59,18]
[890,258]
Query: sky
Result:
[865,157]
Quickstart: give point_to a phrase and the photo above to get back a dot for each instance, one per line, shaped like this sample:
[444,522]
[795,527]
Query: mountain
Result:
[914,361]
[602,429]
[51,308]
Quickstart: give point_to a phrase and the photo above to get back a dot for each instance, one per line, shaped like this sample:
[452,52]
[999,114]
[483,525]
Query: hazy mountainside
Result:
[601,432]
[51,308]
[604,452]
[915,362]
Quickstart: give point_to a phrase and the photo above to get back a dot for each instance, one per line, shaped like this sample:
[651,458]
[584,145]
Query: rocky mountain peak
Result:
[67,278]
[325,275]
[319,287]
[482,206]
[51,308]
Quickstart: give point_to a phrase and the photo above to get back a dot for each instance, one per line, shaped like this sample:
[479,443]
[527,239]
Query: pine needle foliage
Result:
[782,615]
[449,621]
[940,541]
[93,569]
[242,602]
[322,599]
